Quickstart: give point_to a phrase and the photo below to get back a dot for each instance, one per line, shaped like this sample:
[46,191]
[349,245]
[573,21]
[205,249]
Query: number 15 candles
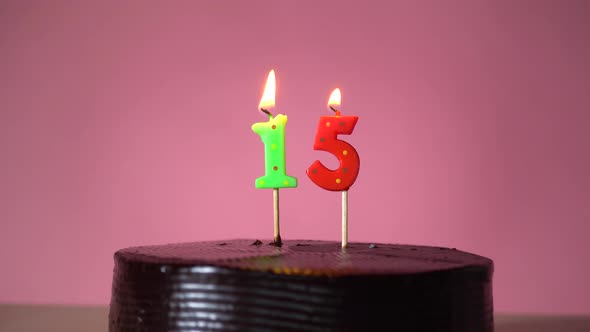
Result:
[272,133]
[326,139]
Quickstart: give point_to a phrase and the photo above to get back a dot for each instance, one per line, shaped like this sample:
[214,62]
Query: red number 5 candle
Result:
[326,139]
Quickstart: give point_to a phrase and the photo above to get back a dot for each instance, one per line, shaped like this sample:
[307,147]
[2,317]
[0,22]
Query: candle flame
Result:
[335,99]
[268,97]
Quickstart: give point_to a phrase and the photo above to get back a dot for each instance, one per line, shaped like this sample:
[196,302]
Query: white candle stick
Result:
[344,218]
[277,234]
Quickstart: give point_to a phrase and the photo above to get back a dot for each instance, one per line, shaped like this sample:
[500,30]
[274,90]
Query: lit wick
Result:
[266,112]
[335,110]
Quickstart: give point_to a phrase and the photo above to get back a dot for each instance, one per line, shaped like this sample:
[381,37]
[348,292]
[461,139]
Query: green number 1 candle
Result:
[272,133]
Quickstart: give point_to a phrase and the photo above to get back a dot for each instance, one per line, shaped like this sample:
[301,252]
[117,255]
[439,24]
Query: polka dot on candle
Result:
[328,124]
[344,169]
[322,139]
[273,146]
[314,171]
[275,168]
[338,180]
[261,182]
[344,152]
[274,127]
[342,123]
[286,182]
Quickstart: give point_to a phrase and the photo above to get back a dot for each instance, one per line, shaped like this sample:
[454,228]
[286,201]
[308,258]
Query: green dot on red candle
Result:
[322,139]
[314,171]
[342,123]
[275,168]
[345,169]
[274,127]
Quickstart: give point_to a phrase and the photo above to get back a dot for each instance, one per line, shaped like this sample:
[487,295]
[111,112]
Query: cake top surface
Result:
[307,257]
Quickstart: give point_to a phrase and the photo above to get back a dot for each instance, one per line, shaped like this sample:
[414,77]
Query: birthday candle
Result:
[272,133]
[326,139]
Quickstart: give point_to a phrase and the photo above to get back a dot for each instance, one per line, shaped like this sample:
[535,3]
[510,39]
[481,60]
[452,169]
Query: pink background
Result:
[128,122]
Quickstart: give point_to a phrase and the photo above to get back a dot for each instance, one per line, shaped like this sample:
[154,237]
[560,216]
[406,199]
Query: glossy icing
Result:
[237,285]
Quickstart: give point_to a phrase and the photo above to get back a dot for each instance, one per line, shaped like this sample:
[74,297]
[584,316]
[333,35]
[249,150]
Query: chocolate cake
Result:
[248,285]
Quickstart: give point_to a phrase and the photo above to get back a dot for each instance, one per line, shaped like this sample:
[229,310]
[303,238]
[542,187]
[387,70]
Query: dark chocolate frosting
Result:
[247,285]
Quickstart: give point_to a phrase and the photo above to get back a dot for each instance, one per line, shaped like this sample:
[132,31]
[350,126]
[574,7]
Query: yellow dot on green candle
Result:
[273,146]
[344,152]
[285,182]
[338,180]
[261,182]
[328,124]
